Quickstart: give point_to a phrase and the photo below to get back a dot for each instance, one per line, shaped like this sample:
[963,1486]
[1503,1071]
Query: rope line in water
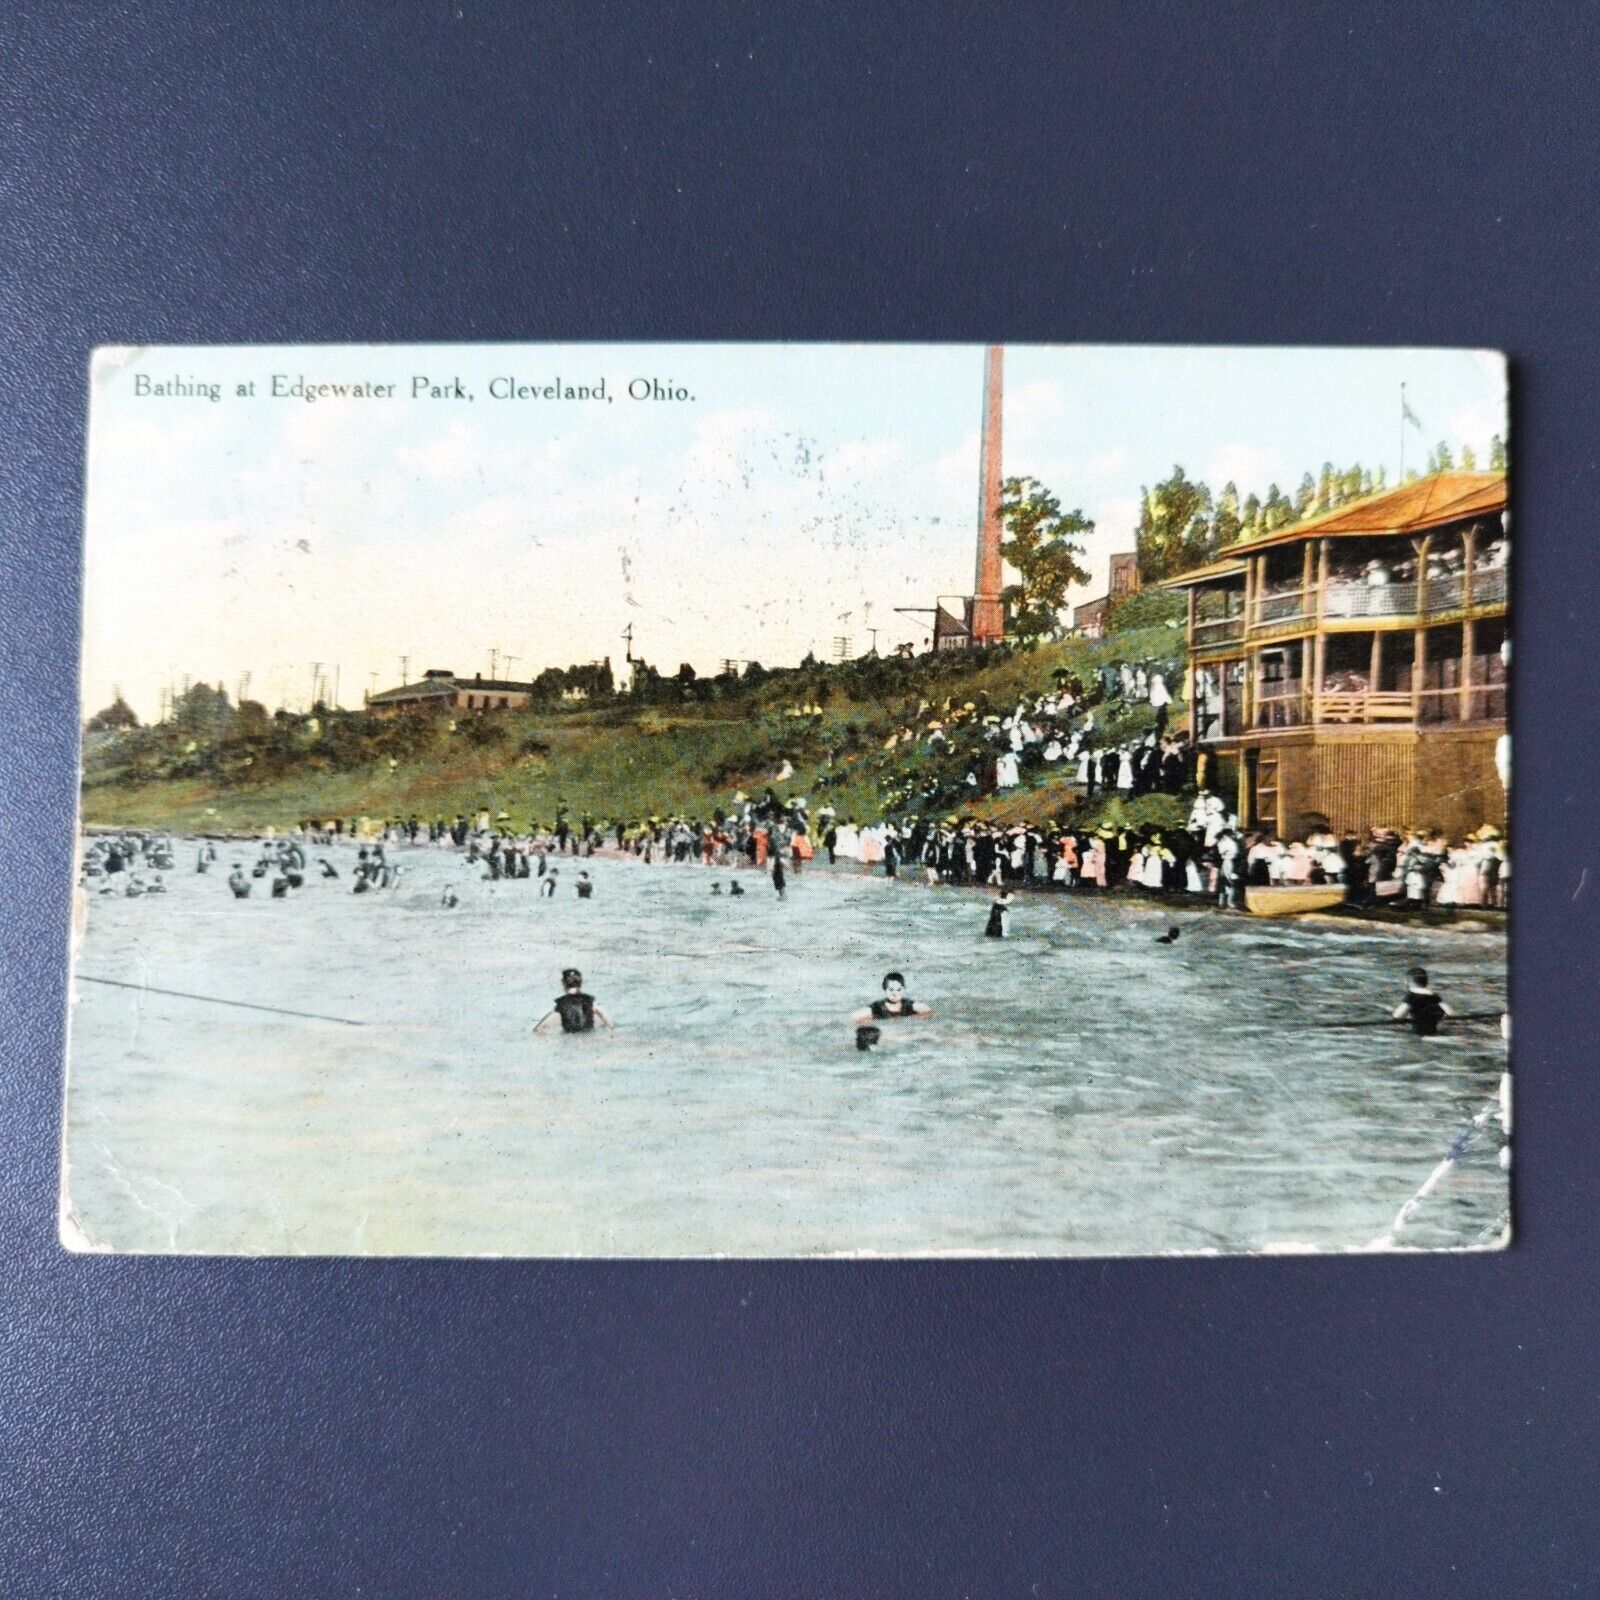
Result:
[214,1000]
[1400,1022]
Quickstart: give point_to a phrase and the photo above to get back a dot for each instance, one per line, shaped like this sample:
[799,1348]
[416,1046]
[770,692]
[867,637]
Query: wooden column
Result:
[1419,662]
[1468,639]
[1320,651]
[1375,670]
[1307,574]
[1419,649]
[1469,554]
[1189,680]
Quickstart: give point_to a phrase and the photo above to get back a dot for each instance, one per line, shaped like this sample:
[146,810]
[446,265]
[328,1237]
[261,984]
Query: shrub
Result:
[1149,608]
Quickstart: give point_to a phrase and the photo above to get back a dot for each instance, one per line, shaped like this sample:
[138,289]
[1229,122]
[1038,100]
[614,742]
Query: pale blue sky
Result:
[803,493]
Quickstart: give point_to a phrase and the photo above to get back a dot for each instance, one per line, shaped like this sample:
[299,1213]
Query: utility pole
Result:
[494,662]
[507,660]
[874,633]
[243,689]
[316,673]
[405,663]
[841,647]
[336,686]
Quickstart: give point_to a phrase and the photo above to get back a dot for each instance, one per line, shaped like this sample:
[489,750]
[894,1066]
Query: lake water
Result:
[1081,1090]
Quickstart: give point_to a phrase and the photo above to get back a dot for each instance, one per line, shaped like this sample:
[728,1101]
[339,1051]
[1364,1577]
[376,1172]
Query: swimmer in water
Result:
[779,878]
[1422,1007]
[585,887]
[1171,936]
[328,868]
[449,898]
[547,886]
[575,1009]
[239,883]
[716,888]
[995,928]
[735,887]
[895,1003]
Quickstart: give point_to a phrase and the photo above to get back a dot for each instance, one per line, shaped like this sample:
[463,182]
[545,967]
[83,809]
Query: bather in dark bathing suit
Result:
[576,1012]
[1426,1010]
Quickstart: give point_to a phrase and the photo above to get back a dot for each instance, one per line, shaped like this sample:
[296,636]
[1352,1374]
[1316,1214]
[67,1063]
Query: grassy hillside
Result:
[229,771]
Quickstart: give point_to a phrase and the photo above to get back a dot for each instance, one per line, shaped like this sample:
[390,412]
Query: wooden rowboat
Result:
[1290,899]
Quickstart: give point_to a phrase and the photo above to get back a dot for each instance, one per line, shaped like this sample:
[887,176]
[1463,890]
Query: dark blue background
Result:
[1027,172]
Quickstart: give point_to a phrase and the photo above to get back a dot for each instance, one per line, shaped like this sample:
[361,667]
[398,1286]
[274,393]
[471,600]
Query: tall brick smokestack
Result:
[988,617]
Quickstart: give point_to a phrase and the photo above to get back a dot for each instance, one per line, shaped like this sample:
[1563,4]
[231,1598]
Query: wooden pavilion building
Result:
[1350,670]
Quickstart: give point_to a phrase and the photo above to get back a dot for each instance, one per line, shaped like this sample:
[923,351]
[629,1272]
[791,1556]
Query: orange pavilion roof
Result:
[1412,508]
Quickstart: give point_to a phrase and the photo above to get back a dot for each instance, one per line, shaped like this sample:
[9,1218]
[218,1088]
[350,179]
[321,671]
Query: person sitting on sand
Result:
[575,1009]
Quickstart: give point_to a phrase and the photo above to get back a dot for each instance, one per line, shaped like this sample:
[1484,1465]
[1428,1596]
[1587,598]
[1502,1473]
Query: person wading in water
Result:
[1422,1007]
[575,1009]
[895,1003]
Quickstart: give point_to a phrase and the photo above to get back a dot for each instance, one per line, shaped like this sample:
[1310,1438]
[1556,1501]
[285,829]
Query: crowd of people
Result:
[1106,736]
[129,864]
[1109,735]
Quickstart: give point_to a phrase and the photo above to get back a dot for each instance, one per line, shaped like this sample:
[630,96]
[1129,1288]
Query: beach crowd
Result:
[1069,744]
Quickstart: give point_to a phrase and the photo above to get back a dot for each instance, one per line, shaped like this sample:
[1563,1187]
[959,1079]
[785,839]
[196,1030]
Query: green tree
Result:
[1227,524]
[1497,454]
[1275,510]
[201,709]
[1469,458]
[1174,529]
[1441,460]
[1305,496]
[116,718]
[1043,545]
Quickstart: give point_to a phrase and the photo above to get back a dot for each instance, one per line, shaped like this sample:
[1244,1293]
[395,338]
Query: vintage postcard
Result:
[792,800]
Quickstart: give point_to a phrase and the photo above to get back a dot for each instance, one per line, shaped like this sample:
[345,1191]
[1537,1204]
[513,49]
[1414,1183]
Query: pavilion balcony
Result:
[1218,631]
[1361,601]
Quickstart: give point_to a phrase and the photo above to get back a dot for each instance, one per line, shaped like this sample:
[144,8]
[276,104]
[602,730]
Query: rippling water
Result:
[1081,1089]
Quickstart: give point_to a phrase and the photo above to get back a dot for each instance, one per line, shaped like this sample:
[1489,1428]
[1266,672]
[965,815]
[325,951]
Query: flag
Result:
[1407,414]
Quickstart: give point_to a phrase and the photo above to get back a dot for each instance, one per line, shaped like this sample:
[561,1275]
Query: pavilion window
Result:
[1488,700]
[1440,699]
